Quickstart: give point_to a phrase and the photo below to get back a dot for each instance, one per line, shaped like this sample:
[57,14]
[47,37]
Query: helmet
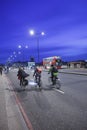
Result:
[51,65]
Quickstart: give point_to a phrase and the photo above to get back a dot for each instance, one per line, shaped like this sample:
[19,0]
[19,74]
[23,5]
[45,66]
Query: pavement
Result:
[10,115]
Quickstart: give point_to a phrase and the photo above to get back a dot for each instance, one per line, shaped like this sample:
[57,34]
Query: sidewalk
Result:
[10,115]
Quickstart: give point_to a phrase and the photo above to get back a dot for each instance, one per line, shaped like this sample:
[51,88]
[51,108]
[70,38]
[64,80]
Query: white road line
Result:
[59,90]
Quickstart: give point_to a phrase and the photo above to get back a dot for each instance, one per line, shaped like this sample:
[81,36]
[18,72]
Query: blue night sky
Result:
[63,21]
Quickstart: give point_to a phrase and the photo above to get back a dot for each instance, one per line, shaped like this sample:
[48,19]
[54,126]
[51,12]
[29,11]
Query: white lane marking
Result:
[59,90]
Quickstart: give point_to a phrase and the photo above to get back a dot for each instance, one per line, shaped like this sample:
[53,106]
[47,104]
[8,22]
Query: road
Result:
[52,109]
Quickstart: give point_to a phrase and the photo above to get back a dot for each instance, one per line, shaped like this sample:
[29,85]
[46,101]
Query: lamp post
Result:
[37,34]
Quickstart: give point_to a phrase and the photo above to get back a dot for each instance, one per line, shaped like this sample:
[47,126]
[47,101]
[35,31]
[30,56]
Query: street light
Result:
[31,32]
[19,52]
[26,46]
[37,34]
[21,47]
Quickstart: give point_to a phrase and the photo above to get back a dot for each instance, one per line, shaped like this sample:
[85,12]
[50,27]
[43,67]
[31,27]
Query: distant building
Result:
[77,64]
[31,64]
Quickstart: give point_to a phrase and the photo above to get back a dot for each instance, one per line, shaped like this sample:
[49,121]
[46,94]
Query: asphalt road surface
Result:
[53,109]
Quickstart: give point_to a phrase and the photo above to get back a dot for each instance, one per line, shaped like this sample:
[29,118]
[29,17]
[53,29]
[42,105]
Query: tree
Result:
[31,59]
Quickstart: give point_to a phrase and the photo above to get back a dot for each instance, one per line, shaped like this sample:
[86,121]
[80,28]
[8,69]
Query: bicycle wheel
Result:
[58,84]
[49,80]
[40,82]
[24,83]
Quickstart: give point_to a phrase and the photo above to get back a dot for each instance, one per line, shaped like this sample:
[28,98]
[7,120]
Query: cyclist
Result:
[1,70]
[54,72]
[37,73]
[22,75]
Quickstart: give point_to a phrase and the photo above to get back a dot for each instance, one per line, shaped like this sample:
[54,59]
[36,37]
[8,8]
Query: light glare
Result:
[19,46]
[31,32]
[42,33]
[26,46]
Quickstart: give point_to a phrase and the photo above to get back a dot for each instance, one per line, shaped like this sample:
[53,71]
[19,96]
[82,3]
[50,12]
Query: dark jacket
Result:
[22,74]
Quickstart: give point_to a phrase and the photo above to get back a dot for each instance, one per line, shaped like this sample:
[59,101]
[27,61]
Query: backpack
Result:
[24,74]
[55,70]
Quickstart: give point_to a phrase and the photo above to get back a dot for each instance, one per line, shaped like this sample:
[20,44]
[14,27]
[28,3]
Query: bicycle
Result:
[22,75]
[56,82]
[38,81]
[25,82]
